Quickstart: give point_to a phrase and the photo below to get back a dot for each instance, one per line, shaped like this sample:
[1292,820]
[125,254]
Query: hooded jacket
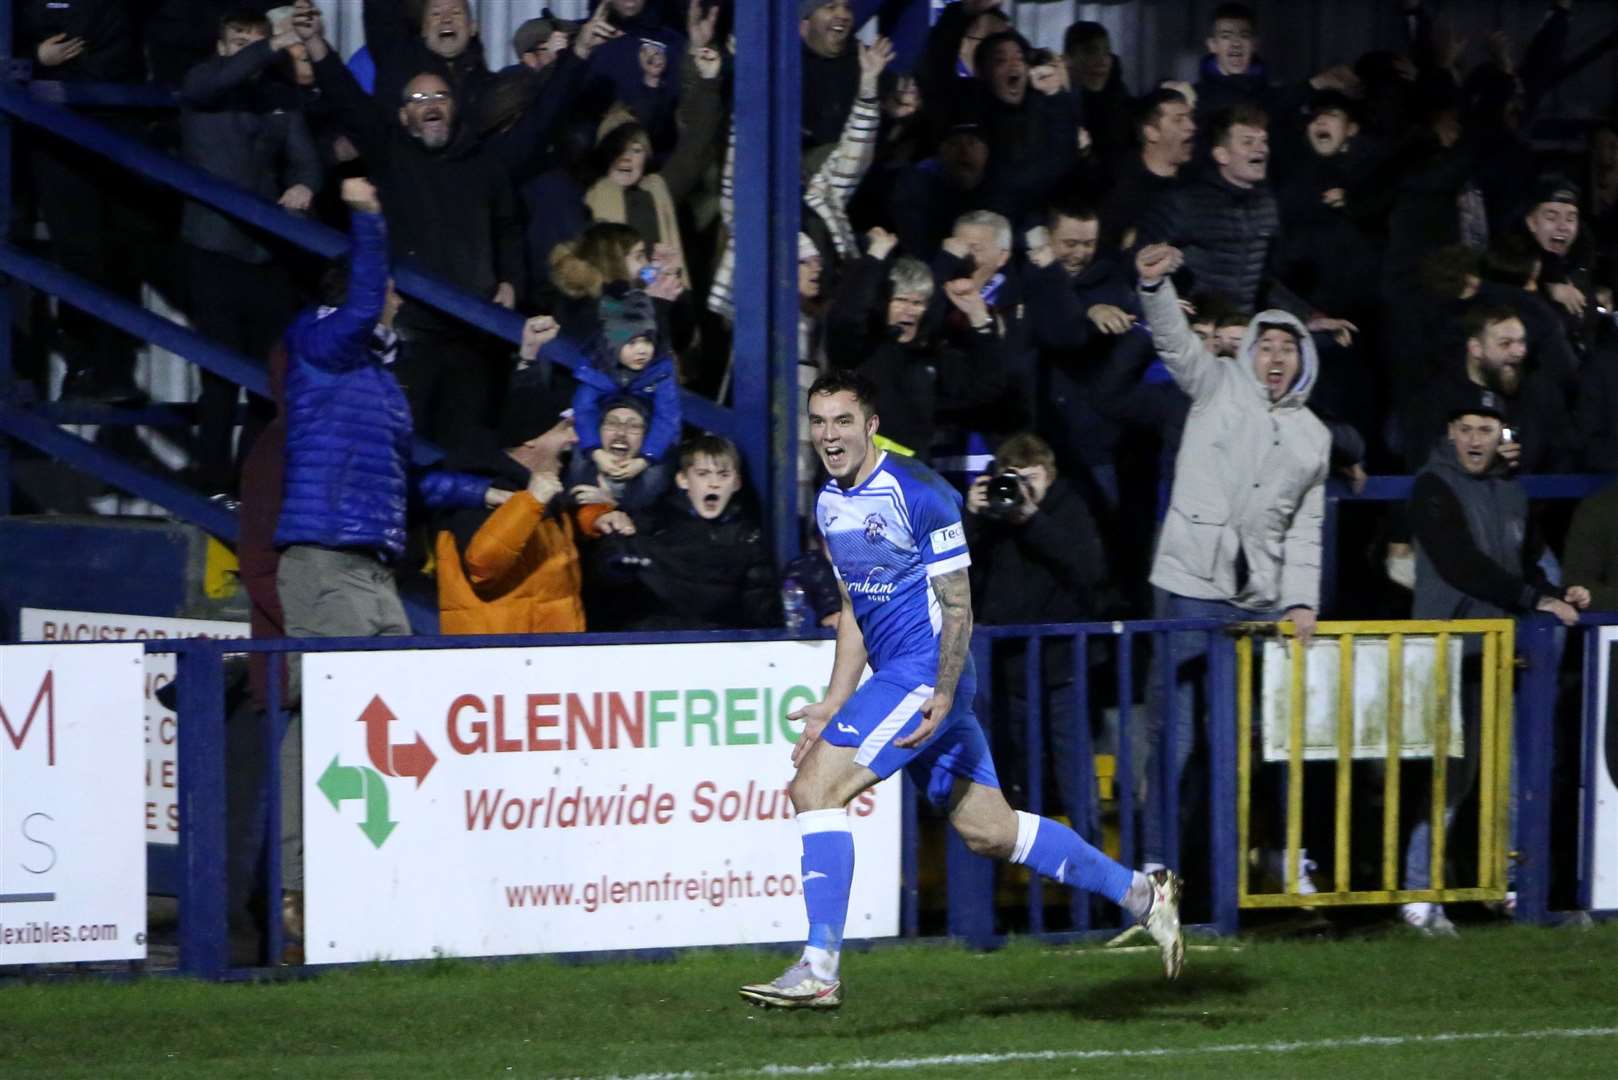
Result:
[1244,521]
[1476,555]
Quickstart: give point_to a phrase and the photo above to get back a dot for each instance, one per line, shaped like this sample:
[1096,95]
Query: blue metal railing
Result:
[204,849]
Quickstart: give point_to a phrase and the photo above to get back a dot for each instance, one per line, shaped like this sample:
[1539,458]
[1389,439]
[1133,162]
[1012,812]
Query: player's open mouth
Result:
[710,501]
[834,455]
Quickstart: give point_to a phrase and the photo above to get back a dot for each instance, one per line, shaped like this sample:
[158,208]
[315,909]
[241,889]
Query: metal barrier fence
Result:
[1495,643]
[204,851]
[205,774]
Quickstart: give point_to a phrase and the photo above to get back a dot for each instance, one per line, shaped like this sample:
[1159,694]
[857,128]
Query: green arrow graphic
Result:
[340,783]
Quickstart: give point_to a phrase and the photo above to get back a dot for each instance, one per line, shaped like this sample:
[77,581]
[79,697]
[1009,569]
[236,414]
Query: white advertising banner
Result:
[72,849]
[1321,673]
[494,802]
[162,811]
[1603,867]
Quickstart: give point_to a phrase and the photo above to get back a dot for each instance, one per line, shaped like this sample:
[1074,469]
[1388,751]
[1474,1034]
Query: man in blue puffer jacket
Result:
[349,436]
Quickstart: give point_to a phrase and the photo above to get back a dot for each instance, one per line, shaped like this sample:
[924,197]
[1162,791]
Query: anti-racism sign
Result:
[162,810]
[72,848]
[506,801]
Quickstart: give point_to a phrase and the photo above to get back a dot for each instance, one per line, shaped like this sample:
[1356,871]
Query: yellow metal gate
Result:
[1496,640]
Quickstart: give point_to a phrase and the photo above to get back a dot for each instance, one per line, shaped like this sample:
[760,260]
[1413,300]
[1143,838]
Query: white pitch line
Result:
[952,1060]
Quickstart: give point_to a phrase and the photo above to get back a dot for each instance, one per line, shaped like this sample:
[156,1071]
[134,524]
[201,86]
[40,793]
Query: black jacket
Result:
[241,123]
[915,382]
[1230,237]
[683,572]
[1043,571]
[451,211]
[1476,555]
[111,49]
[1072,353]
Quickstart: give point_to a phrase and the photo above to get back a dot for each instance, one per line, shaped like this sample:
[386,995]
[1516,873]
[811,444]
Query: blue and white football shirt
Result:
[887,538]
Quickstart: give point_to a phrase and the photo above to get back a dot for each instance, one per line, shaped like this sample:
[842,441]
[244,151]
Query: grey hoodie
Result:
[1250,478]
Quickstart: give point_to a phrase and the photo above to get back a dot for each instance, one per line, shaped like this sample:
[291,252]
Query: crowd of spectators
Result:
[973,225]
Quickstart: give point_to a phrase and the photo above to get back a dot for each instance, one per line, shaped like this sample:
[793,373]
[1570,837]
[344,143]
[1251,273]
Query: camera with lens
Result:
[1003,495]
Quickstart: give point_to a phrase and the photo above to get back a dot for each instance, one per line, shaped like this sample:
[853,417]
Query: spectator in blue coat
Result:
[348,451]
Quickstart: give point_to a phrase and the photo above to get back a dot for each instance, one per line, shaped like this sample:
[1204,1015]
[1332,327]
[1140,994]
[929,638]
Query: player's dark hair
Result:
[842,380]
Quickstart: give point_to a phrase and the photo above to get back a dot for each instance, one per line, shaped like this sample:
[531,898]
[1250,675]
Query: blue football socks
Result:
[828,873]
[1062,855]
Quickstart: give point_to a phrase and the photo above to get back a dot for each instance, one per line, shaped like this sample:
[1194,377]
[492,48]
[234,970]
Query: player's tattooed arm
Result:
[954,592]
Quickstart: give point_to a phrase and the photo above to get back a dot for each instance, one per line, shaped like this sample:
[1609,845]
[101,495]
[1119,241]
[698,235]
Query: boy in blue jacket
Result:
[627,363]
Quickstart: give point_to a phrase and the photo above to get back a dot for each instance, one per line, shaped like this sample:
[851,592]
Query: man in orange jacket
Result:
[517,572]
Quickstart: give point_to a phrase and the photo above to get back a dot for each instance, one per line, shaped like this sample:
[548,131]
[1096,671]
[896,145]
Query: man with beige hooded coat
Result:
[1242,538]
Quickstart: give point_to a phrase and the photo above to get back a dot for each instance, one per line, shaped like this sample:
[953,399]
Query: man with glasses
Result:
[453,214]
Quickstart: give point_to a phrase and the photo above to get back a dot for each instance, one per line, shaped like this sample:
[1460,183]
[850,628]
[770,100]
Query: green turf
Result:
[538,1018]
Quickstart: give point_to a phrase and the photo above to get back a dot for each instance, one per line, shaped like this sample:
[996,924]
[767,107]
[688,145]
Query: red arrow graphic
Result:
[414,759]
[406,759]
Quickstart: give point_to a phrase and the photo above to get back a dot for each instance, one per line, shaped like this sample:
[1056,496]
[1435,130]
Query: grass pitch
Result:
[1499,1002]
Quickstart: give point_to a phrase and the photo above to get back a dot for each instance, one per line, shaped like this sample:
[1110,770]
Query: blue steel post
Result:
[1165,778]
[1534,728]
[273,733]
[1222,780]
[6,16]
[1034,746]
[200,674]
[768,122]
[1084,785]
[1124,771]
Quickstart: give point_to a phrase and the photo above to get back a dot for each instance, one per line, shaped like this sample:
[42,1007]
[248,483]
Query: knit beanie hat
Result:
[626,316]
[807,8]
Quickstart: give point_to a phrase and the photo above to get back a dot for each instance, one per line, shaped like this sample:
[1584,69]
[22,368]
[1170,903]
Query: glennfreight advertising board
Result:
[72,848]
[489,802]
[161,812]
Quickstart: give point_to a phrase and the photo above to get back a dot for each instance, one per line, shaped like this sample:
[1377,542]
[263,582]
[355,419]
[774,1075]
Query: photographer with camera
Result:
[1036,558]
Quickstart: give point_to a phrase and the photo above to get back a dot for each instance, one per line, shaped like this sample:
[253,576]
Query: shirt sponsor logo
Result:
[879,591]
[948,538]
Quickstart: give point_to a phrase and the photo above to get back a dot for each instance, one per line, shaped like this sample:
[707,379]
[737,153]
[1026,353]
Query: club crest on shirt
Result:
[874,526]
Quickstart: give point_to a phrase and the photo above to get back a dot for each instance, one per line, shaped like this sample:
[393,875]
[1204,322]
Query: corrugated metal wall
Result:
[1163,38]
